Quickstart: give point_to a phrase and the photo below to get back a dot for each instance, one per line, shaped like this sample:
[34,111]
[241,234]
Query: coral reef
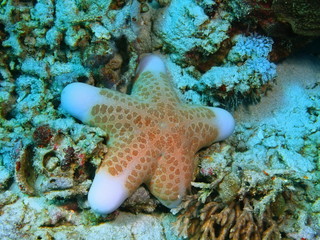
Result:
[244,77]
[56,166]
[54,222]
[291,24]
[212,62]
[268,168]
[140,201]
[192,30]
[220,53]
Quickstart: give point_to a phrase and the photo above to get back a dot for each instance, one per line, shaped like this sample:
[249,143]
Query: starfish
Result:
[153,136]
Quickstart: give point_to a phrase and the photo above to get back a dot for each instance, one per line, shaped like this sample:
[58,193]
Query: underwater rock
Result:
[140,201]
[274,16]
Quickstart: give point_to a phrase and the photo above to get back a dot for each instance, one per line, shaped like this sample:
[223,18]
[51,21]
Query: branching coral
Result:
[220,221]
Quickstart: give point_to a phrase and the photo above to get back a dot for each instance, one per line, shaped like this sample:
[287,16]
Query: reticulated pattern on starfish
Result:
[153,136]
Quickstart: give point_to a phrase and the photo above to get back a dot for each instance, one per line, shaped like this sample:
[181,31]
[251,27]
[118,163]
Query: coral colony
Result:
[153,136]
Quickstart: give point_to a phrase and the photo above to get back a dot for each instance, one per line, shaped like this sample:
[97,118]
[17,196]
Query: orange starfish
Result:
[153,136]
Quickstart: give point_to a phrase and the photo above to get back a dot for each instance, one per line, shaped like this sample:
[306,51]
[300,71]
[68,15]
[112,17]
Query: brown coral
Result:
[42,135]
[216,220]
[70,157]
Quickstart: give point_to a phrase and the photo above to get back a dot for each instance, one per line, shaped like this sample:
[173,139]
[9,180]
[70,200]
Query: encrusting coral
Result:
[244,77]
[153,136]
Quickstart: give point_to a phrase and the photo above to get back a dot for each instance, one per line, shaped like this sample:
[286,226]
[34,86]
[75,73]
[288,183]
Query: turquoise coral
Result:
[153,136]
[243,74]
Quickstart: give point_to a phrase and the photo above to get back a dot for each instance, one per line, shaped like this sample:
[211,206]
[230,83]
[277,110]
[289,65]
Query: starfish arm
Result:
[122,171]
[107,192]
[152,74]
[110,110]
[207,125]
[172,179]
[78,98]
[221,125]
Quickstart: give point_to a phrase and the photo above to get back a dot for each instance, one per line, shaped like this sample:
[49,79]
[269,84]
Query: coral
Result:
[6,97]
[164,2]
[111,72]
[246,47]
[152,136]
[42,135]
[34,219]
[76,37]
[238,8]
[71,156]
[192,29]
[52,167]
[8,197]
[218,220]
[97,54]
[24,173]
[45,46]
[291,25]
[244,77]
[269,165]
